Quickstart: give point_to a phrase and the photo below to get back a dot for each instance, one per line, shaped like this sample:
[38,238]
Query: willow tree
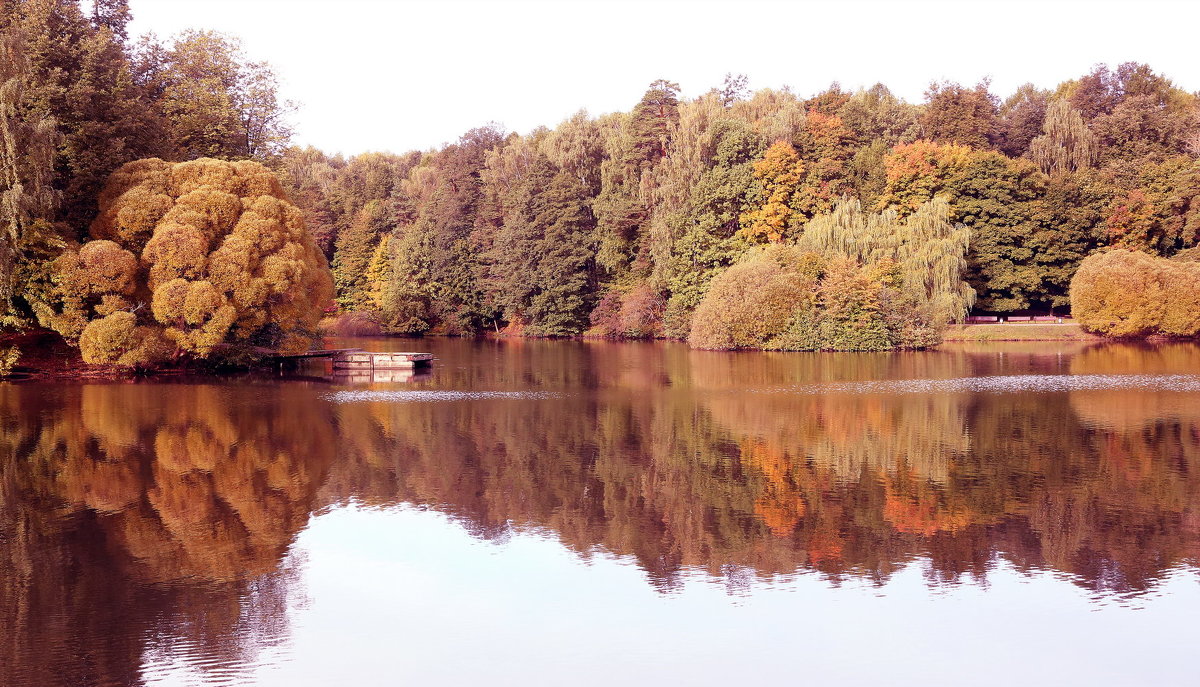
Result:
[928,251]
[1066,143]
[196,260]
[27,146]
[782,297]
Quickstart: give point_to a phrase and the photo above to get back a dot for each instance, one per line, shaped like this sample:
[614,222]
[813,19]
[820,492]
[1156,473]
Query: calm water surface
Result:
[548,513]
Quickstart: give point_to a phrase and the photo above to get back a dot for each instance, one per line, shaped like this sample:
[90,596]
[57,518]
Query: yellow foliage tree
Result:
[215,249]
[780,173]
[1122,293]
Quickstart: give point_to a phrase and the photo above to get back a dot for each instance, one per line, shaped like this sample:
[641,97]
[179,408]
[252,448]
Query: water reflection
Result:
[137,519]
[148,513]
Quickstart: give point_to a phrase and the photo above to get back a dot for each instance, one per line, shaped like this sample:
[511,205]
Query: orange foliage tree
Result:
[780,172]
[193,260]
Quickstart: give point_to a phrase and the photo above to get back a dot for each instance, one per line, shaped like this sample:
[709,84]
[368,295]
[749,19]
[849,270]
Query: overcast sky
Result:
[400,75]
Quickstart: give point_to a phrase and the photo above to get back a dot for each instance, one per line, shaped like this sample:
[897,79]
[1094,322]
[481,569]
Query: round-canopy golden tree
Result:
[195,260]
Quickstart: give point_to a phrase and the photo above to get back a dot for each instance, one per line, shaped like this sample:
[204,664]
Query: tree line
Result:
[619,225]
[623,225]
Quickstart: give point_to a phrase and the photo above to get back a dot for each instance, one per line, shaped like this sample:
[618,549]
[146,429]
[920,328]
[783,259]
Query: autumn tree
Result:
[1004,204]
[955,114]
[1158,210]
[1094,94]
[216,102]
[1124,293]
[755,300]
[785,298]
[780,174]
[198,260]
[927,253]
[1149,116]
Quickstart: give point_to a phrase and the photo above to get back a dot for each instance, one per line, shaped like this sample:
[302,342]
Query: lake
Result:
[591,513]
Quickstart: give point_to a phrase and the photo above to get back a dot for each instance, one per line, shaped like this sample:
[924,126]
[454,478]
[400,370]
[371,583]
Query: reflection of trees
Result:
[163,511]
[741,462]
[155,510]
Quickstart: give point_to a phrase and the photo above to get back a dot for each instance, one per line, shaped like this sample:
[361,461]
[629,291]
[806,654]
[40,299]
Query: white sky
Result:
[399,75]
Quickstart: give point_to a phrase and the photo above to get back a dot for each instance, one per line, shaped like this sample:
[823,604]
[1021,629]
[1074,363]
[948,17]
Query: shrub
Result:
[785,299]
[753,302]
[196,259]
[636,313]
[355,323]
[1124,293]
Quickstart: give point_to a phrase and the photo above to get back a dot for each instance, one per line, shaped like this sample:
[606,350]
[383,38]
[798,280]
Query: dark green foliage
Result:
[1024,245]
[876,115]
[78,74]
[541,260]
[354,250]
[438,259]
[650,124]
[27,197]
[998,199]
[1021,118]
[708,229]
[1067,220]
[635,144]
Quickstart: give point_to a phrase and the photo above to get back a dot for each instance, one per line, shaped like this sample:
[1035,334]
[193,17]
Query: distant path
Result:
[1018,331]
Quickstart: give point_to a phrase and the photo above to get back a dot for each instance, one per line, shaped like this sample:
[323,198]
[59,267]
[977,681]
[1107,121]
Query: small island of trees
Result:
[154,212]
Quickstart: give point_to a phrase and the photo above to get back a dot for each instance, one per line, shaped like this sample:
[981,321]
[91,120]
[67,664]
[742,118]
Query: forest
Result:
[844,220]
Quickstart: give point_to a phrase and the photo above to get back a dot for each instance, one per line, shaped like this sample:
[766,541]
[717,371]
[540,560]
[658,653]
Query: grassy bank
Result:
[1018,332]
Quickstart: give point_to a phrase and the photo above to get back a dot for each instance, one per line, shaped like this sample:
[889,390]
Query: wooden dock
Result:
[369,360]
[356,360]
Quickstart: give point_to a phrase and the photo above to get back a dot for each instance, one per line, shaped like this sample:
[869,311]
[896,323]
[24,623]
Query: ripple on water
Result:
[436,396]
[1010,384]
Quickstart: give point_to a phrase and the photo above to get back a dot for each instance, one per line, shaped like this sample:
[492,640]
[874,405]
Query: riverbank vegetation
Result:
[651,205]
[215,249]
[634,224]
[1132,294]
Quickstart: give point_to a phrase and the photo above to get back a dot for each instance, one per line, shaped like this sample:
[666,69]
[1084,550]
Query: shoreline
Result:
[46,357]
[984,333]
